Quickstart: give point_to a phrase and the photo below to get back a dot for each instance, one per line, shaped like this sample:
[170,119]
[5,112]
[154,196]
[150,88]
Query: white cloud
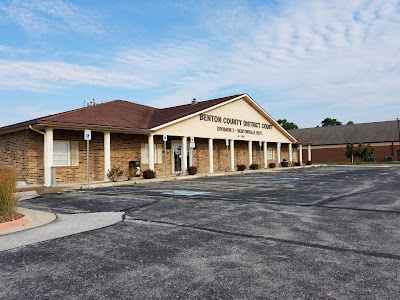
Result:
[297,55]
[40,17]
[46,76]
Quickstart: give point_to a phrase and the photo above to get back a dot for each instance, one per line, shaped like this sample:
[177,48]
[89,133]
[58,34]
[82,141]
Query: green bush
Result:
[8,180]
[240,167]
[115,173]
[149,174]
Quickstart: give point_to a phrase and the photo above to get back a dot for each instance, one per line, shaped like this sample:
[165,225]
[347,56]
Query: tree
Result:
[287,125]
[330,122]
[363,152]
[350,152]
[350,123]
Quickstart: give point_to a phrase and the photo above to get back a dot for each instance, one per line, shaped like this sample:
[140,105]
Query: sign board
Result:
[192,139]
[192,145]
[227,141]
[165,137]
[88,135]
[260,143]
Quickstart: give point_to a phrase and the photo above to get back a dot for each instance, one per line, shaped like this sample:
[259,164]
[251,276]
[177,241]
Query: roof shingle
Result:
[374,132]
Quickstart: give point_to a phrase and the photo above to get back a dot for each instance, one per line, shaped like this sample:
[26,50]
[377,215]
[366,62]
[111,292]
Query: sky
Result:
[302,61]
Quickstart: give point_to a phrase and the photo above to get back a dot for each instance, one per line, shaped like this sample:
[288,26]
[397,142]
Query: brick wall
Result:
[14,153]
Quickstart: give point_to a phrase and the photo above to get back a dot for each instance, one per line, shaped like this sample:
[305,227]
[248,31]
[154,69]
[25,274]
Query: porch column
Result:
[265,154]
[151,151]
[190,156]
[48,159]
[232,146]
[309,153]
[211,155]
[184,155]
[278,154]
[290,153]
[107,154]
[250,153]
[301,154]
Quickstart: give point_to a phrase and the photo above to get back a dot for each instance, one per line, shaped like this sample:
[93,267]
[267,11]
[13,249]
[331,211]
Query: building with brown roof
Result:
[329,142]
[214,135]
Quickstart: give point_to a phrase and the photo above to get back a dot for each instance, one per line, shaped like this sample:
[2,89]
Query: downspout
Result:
[44,150]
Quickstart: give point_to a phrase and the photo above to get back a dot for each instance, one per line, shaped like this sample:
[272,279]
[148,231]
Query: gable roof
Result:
[374,132]
[119,114]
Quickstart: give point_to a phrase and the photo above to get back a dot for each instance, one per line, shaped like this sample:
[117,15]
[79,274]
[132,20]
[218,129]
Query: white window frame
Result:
[68,154]
[145,155]
[270,153]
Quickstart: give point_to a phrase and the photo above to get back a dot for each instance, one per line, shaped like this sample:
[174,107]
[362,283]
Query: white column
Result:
[232,146]
[301,154]
[290,152]
[190,156]
[309,153]
[184,155]
[265,154]
[210,155]
[151,151]
[107,154]
[278,154]
[250,152]
[48,159]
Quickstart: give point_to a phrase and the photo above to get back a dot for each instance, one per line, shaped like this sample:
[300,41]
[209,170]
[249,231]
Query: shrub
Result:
[240,167]
[272,165]
[115,173]
[308,163]
[8,180]
[297,164]
[254,166]
[192,170]
[149,174]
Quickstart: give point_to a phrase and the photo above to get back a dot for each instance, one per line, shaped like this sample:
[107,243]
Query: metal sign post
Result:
[227,153]
[88,137]
[165,138]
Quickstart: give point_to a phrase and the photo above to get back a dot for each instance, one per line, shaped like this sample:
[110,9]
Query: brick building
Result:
[226,131]
[329,143]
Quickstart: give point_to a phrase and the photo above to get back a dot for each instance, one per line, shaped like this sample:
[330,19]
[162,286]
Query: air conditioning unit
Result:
[389,158]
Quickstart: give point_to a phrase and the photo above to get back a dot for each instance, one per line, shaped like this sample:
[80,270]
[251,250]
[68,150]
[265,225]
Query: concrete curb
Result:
[32,218]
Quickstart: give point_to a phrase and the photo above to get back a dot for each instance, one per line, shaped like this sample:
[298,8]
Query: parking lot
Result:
[317,233]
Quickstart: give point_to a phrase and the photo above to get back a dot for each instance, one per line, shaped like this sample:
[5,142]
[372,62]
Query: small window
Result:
[61,154]
[270,153]
[157,153]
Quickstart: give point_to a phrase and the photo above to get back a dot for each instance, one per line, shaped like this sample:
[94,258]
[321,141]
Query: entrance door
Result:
[177,158]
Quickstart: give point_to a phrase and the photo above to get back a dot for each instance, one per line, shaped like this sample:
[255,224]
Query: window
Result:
[157,153]
[65,153]
[270,153]
[61,154]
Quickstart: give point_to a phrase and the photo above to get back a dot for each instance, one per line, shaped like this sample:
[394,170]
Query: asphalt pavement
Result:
[319,233]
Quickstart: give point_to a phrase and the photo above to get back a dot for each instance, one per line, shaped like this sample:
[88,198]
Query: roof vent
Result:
[194,101]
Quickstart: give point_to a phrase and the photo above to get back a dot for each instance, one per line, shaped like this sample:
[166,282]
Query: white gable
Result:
[237,120]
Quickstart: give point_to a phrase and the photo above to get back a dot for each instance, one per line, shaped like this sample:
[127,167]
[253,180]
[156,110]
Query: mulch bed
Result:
[6,216]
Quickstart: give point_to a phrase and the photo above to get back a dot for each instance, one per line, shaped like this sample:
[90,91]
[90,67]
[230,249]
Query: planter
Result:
[297,164]
[192,170]
[272,165]
[253,166]
[284,164]
[240,167]
[309,163]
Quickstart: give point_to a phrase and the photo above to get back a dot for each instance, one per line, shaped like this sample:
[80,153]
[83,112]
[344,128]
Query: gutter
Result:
[30,127]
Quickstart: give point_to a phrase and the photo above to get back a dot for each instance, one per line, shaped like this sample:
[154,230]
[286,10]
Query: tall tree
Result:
[330,122]
[350,152]
[287,125]
[350,123]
